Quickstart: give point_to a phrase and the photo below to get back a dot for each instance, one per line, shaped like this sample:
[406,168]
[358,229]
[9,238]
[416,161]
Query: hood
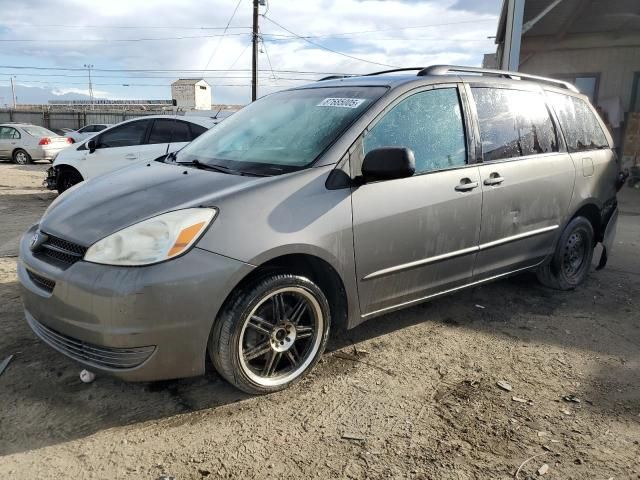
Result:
[103,205]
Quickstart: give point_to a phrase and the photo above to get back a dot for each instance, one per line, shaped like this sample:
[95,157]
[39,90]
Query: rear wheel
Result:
[21,157]
[67,179]
[570,264]
[270,333]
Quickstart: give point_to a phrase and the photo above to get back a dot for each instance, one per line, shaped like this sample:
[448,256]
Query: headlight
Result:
[153,240]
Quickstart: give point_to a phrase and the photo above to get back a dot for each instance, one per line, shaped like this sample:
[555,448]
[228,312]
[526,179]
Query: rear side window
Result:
[196,130]
[180,132]
[126,135]
[513,123]
[8,133]
[582,131]
[430,124]
[161,131]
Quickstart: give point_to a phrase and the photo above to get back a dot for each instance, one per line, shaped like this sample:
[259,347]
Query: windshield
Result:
[39,132]
[282,132]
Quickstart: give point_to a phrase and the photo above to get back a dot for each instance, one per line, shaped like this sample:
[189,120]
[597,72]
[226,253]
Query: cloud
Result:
[80,91]
[452,31]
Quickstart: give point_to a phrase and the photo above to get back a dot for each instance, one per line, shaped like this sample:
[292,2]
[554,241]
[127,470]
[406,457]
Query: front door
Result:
[417,236]
[117,147]
[527,181]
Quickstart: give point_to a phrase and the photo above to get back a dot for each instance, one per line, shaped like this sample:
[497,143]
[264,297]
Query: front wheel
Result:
[570,264]
[270,333]
[67,179]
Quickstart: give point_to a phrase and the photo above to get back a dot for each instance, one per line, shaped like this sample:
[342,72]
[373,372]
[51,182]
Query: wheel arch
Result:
[317,269]
[13,152]
[592,212]
[66,167]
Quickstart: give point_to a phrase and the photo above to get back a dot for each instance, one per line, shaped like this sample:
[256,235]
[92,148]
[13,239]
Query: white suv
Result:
[138,140]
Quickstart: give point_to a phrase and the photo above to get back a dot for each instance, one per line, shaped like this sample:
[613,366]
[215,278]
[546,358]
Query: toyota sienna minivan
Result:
[319,207]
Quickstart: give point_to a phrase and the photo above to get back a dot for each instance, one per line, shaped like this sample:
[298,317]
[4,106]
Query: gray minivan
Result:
[316,207]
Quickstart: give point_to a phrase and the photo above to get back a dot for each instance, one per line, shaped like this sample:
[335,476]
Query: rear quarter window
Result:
[581,128]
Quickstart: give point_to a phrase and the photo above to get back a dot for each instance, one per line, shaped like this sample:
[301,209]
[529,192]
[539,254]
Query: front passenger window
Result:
[125,135]
[430,124]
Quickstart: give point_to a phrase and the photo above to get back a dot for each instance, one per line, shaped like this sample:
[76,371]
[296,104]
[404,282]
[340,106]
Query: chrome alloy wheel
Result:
[281,336]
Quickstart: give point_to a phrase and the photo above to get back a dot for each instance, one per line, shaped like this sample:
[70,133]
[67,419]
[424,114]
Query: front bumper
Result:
[137,323]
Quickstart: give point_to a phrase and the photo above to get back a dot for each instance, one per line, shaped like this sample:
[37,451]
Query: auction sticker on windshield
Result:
[341,102]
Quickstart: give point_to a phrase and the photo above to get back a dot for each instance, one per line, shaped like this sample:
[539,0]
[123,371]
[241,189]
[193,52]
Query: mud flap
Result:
[608,238]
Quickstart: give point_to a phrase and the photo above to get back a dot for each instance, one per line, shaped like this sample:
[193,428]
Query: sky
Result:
[169,39]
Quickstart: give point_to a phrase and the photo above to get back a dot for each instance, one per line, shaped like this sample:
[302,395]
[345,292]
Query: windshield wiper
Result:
[207,166]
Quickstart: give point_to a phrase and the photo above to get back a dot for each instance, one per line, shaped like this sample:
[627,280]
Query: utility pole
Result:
[254,59]
[89,67]
[13,92]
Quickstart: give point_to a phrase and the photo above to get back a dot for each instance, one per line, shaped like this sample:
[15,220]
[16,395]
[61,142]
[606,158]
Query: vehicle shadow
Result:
[45,403]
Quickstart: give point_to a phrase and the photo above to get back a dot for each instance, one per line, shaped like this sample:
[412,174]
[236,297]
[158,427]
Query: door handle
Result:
[494,179]
[130,156]
[466,185]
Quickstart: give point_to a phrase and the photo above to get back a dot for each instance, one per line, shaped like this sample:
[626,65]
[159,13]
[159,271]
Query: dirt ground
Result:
[409,395]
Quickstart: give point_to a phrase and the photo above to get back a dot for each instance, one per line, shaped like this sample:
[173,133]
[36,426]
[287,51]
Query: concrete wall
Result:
[616,59]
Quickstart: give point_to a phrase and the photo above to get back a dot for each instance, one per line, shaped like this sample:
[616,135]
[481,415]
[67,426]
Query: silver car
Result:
[24,143]
[87,131]
[320,207]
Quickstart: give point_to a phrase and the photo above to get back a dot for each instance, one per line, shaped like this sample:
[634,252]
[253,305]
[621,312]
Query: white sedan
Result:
[86,131]
[138,140]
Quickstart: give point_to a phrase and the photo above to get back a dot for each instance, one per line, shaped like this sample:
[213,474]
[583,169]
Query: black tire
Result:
[67,179]
[234,338]
[20,157]
[570,264]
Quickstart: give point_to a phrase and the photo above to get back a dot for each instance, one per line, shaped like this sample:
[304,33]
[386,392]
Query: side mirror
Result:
[388,163]
[91,145]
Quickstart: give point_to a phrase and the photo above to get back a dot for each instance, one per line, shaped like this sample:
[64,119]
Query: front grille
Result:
[88,353]
[64,251]
[42,282]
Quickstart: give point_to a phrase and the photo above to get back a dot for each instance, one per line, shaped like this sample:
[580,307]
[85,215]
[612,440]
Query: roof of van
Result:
[441,74]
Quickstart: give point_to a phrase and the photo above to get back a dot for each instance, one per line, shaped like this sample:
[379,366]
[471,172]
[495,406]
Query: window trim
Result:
[562,147]
[359,143]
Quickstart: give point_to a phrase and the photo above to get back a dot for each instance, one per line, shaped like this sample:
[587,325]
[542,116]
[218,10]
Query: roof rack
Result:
[407,69]
[336,77]
[445,69]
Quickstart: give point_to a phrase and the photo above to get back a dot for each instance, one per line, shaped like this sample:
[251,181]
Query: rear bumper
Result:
[40,153]
[137,323]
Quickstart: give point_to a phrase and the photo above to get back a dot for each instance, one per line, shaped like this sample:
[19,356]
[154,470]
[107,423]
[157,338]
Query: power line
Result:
[266,52]
[327,48]
[390,29]
[129,27]
[223,34]
[184,27]
[164,70]
[111,40]
[135,76]
[26,83]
